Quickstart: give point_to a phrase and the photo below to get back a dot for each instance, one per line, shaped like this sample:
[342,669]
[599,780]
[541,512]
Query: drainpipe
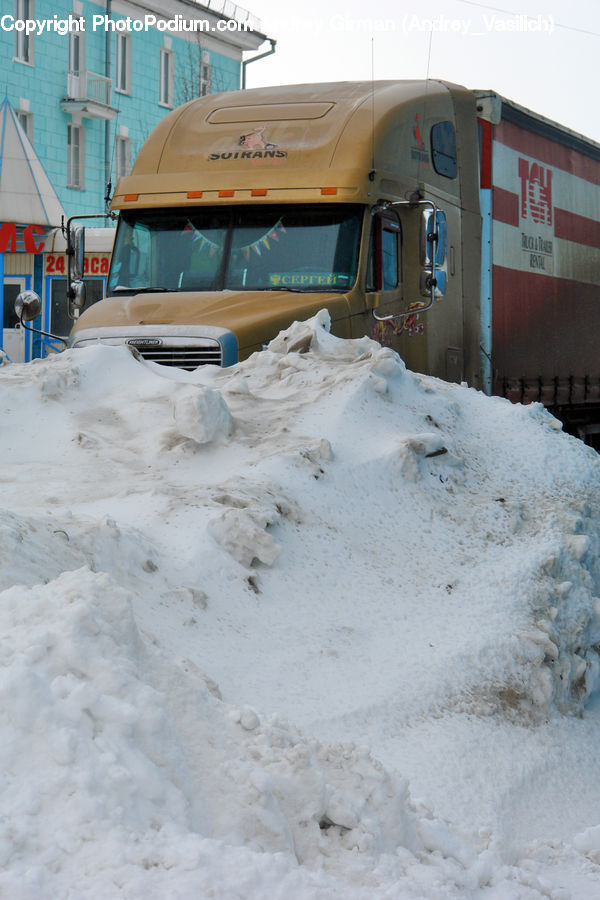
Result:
[107,122]
[255,59]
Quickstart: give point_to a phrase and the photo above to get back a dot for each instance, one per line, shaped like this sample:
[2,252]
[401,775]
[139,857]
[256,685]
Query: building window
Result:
[123,80]
[75,158]
[26,122]
[24,42]
[75,52]
[76,86]
[165,90]
[205,84]
[122,156]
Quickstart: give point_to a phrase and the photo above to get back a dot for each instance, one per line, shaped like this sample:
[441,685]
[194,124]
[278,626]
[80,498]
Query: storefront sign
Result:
[93,264]
[22,238]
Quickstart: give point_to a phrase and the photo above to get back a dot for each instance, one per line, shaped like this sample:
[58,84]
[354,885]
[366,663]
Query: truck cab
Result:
[246,211]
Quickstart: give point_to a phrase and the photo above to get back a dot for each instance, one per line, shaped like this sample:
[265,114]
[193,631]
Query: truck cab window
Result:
[389,259]
[131,267]
[384,272]
[300,248]
[443,149]
[295,247]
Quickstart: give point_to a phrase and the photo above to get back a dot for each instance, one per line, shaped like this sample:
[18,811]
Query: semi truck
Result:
[452,225]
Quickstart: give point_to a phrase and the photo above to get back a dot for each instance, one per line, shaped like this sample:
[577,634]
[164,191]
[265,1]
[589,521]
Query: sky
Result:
[547,62]
[296,629]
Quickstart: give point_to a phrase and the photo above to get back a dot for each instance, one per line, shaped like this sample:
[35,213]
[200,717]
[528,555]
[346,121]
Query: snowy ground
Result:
[311,627]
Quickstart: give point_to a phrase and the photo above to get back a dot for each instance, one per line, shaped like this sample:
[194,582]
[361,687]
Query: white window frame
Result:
[24,9]
[76,158]
[26,121]
[123,77]
[76,76]
[77,38]
[165,84]
[205,84]
[122,156]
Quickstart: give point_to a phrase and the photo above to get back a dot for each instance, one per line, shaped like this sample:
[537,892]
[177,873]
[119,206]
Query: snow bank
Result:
[191,562]
[120,759]
[113,753]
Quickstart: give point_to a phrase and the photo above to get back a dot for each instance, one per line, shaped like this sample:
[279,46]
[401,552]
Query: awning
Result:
[26,194]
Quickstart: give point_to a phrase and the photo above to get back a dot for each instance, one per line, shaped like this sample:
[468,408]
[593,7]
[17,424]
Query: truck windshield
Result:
[264,248]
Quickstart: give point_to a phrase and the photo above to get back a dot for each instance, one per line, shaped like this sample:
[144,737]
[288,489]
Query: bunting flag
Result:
[263,241]
[196,235]
[258,245]
[191,229]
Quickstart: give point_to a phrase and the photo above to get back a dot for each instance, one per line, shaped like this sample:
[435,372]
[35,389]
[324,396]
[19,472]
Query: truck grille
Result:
[167,345]
[182,357]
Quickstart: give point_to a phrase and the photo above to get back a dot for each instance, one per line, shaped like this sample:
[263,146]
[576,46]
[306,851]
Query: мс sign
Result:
[22,238]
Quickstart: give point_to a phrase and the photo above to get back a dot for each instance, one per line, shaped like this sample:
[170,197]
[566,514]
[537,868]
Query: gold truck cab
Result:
[248,210]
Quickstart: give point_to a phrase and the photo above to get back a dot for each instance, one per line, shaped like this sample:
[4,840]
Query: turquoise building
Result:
[88,97]
[83,83]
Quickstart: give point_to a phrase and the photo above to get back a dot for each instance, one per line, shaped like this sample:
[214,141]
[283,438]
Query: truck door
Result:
[384,274]
[13,339]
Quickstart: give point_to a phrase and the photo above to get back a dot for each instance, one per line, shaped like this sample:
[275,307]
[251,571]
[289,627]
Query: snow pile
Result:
[116,754]
[202,415]
[313,626]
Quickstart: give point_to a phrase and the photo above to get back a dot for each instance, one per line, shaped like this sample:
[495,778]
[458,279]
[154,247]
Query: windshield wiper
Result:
[284,287]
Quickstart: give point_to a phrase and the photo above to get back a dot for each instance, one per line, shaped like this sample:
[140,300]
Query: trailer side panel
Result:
[545,266]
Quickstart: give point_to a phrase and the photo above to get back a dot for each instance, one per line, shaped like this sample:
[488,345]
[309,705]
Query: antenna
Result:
[429,53]
[107,197]
[417,194]
[372,172]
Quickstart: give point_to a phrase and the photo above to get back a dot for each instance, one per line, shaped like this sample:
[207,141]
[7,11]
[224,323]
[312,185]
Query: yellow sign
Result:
[308,279]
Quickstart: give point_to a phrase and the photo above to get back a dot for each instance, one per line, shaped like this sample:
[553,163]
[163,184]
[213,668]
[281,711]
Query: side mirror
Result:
[433,253]
[75,268]
[76,294]
[28,306]
[426,235]
[76,252]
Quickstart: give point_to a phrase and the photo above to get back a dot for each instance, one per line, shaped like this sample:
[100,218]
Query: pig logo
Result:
[254,140]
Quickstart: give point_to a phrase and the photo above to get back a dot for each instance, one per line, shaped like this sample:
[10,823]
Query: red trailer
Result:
[540,297]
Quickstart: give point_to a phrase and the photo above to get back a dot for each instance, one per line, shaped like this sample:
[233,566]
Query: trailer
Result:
[449,224]
[540,290]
